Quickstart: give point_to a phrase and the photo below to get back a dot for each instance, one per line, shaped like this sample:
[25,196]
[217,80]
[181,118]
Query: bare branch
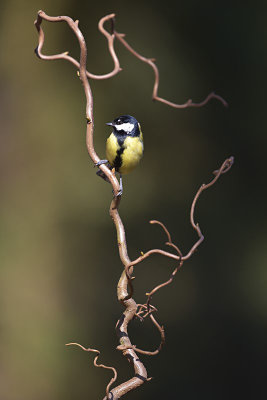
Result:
[126,299]
[163,227]
[112,380]
[89,98]
[65,55]
[143,309]
[151,62]
[150,294]
[146,352]
[110,38]
[169,242]
[227,164]
[225,167]
[129,304]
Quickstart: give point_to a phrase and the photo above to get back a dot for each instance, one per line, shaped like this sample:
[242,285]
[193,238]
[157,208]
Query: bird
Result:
[124,146]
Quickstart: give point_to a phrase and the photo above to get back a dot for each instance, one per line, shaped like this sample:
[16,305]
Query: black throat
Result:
[118,159]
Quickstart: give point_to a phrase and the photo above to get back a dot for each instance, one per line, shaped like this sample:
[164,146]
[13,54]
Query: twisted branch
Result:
[87,89]
[142,310]
[151,62]
[129,304]
[145,352]
[225,167]
[65,55]
[112,380]
[128,350]
[116,69]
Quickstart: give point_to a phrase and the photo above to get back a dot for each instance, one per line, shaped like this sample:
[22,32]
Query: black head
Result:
[125,125]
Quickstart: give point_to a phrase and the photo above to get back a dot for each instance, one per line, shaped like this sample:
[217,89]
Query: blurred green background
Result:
[59,260]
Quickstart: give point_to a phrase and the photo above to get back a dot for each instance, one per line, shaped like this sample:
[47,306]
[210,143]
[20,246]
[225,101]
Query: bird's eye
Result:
[118,121]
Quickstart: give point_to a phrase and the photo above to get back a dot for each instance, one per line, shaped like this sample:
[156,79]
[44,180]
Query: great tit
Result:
[124,147]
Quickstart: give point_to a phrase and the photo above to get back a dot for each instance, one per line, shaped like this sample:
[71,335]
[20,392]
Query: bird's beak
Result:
[109,123]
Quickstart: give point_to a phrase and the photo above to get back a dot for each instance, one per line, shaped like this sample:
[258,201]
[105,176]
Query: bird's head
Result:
[125,125]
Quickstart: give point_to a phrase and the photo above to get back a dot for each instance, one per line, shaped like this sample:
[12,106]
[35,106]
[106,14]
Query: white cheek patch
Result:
[127,127]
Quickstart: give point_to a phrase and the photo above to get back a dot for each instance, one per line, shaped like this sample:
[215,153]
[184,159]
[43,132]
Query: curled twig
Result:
[87,89]
[227,164]
[146,352]
[161,285]
[66,56]
[142,308]
[112,380]
[116,69]
[140,373]
[225,167]
[169,242]
[151,62]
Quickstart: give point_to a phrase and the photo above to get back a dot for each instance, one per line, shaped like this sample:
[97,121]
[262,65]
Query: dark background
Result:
[59,259]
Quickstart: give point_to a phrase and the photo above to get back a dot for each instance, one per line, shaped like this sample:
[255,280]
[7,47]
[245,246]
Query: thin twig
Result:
[122,289]
[151,62]
[112,380]
[146,352]
[169,242]
[66,56]
[227,164]
[144,309]
[160,286]
[225,167]
[110,38]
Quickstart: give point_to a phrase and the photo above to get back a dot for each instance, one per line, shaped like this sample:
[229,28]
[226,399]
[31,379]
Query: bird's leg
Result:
[121,187]
[103,176]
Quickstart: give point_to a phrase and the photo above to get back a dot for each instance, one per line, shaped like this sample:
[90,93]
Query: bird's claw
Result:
[100,162]
[118,194]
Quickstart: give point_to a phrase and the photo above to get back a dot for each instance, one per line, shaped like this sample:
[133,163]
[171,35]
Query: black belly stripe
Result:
[118,159]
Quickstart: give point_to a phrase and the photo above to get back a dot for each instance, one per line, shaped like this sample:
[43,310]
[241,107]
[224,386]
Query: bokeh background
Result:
[59,260]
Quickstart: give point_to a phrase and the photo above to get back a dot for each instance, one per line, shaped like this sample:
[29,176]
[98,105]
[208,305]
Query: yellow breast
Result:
[126,157]
[111,148]
[132,154]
